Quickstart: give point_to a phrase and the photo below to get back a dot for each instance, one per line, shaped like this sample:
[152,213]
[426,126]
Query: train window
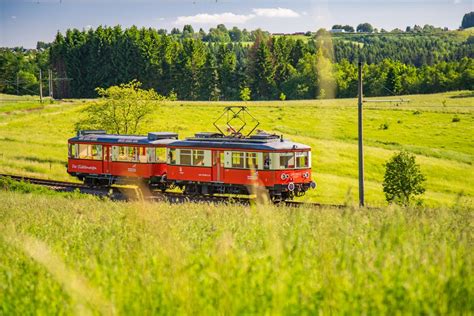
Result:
[125,153]
[185,157]
[84,151]
[142,154]
[302,159]
[287,160]
[115,153]
[96,152]
[171,156]
[122,154]
[198,157]
[237,160]
[73,150]
[133,154]
[266,161]
[150,154]
[251,161]
[160,154]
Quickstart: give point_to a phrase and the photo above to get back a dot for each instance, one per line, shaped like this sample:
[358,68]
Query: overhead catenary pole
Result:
[49,82]
[41,86]
[50,75]
[361,145]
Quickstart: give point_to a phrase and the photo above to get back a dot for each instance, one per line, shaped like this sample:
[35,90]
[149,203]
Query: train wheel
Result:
[89,182]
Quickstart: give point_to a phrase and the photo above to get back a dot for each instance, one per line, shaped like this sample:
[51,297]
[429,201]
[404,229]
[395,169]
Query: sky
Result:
[25,22]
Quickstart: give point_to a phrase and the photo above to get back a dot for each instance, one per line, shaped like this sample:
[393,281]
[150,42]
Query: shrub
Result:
[456,119]
[173,96]
[383,126]
[245,94]
[403,179]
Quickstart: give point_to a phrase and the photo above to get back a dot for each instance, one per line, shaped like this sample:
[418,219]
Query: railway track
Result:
[63,186]
[119,193]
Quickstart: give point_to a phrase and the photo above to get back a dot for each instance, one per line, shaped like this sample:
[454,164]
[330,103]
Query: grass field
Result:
[33,139]
[63,255]
[68,253]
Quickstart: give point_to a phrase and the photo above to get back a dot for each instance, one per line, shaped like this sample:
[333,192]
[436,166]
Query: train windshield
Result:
[287,160]
[294,160]
[302,159]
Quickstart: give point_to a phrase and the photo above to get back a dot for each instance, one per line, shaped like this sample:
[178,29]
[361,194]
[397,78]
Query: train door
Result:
[106,159]
[218,166]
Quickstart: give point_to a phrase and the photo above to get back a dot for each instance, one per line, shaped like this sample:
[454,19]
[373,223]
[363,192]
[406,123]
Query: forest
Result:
[220,64]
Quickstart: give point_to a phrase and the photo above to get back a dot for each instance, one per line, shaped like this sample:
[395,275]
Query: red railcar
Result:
[208,163]
[98,158]
[212,163]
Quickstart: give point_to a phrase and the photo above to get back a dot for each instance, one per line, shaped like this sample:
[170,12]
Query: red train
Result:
[208,163]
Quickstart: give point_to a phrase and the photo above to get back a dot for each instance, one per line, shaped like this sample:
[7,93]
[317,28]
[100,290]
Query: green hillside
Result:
[33,139]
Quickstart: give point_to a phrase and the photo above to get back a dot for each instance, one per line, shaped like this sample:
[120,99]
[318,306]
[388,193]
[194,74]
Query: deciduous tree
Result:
[122,109]
[403,179]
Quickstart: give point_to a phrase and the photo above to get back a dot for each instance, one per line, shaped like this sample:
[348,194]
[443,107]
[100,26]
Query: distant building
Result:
[337,31]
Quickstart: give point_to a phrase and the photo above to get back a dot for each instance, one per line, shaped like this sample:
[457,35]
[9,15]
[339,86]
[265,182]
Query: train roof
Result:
[261,141]
[154,138]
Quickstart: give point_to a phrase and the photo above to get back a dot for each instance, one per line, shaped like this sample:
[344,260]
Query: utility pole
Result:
[361,145]
[50,75]
[41,86]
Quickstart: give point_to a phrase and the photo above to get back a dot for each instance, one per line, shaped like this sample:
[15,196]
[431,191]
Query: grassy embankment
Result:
[61,256]
[33,142]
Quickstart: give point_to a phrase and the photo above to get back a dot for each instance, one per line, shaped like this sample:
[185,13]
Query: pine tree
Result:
[210,80]
[264,83]
[226,63]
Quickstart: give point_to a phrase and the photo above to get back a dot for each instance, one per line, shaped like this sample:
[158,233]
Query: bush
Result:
[403,179]
[383,126]
[245,94]
[456,119]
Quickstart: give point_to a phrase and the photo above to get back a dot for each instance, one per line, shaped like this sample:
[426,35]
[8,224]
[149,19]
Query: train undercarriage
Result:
[279,192]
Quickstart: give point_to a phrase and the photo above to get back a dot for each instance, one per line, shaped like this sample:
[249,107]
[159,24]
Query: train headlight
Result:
[291,186]
[306,175]
[284,176]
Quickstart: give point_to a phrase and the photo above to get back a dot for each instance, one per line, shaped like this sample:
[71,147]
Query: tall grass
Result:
[63,255]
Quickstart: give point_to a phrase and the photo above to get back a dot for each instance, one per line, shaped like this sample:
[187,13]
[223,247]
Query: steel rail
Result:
[127,194]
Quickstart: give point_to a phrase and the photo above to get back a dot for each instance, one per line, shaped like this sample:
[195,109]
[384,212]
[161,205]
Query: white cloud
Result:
[232,18]
[206,18]
[276,13]
[160,19]
[88,27]
[13,17]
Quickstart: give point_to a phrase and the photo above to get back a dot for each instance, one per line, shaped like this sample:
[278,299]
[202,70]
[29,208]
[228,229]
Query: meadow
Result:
[68,253]
[81,255]
[438,128]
